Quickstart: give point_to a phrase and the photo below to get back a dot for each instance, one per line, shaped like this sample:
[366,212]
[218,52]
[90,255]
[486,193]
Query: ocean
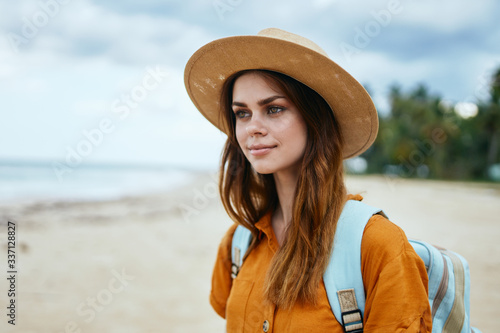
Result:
[30,181]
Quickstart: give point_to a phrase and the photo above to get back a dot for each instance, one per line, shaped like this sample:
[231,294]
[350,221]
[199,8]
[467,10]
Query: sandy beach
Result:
[143,264]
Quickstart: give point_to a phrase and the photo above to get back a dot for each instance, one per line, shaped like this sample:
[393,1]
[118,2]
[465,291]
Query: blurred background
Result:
[97,130]
[66,66]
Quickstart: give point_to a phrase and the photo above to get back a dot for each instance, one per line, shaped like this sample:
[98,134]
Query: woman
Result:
[291,116]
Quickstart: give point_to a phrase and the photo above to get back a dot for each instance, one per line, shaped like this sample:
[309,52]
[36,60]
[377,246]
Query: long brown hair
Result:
[298,266]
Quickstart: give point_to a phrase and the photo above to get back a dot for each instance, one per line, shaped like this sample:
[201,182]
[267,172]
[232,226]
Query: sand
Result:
[143,264]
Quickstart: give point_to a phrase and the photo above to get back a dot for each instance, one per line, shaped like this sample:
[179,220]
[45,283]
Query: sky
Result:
[85,81]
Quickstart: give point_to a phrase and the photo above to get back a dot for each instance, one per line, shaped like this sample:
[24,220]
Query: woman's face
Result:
[269,128]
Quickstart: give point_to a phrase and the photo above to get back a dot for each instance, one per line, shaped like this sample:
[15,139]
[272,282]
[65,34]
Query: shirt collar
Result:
[265,228]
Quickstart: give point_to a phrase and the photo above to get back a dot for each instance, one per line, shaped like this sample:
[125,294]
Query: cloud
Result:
[89,53]
[449,16]
[82,29]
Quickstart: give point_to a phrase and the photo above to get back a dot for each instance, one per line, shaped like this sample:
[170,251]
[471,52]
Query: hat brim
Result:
[209,67]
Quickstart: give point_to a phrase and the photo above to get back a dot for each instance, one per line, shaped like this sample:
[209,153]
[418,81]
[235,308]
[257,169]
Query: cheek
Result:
[301,138]
[240,134]
[298,135]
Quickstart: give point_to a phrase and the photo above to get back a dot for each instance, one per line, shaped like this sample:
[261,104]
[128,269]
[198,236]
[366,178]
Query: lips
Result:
[258,150]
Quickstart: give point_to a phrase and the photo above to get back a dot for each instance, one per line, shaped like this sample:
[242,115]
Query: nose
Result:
[256,125]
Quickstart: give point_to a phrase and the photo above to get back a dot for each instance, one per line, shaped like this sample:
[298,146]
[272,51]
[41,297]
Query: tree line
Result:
[424,136]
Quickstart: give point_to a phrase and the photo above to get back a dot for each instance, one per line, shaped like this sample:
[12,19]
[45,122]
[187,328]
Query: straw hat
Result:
[281,51]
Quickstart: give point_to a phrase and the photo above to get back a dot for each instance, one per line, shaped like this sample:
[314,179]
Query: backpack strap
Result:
[343,279]
[241,240]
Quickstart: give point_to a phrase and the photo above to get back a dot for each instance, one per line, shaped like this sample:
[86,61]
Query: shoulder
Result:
[228,236]
[383,237]
[386,250]
[395,279]
[224,261]
[221,276]
[225,243]
[383,244]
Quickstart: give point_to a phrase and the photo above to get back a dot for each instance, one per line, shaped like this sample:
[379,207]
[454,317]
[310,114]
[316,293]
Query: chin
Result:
[273,168]
[263,170]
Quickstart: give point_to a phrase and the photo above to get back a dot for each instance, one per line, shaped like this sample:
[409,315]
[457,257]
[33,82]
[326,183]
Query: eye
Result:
[241,114]
[275,109]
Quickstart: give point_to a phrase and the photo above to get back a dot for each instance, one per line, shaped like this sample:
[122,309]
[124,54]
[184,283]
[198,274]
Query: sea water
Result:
[20,181]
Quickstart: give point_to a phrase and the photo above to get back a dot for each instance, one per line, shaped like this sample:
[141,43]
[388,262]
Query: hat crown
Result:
[293,38]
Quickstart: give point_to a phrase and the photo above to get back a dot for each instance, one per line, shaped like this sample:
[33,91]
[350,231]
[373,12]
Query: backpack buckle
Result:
[352,321]
[235,269]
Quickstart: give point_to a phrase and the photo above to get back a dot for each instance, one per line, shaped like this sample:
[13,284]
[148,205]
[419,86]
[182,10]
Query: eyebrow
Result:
[261,102]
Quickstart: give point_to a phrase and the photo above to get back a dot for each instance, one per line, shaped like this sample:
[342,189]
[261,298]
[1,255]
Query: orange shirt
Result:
[394,277]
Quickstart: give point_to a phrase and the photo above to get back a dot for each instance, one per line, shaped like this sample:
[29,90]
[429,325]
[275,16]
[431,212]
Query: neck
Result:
[286,181]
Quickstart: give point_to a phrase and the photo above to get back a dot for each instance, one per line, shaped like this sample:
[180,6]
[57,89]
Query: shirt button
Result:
[265,327]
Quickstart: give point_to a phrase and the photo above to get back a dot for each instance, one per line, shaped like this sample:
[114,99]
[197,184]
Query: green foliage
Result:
[424,137]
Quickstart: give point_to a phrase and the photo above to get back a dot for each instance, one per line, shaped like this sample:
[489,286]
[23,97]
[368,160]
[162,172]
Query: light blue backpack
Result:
[449,279]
